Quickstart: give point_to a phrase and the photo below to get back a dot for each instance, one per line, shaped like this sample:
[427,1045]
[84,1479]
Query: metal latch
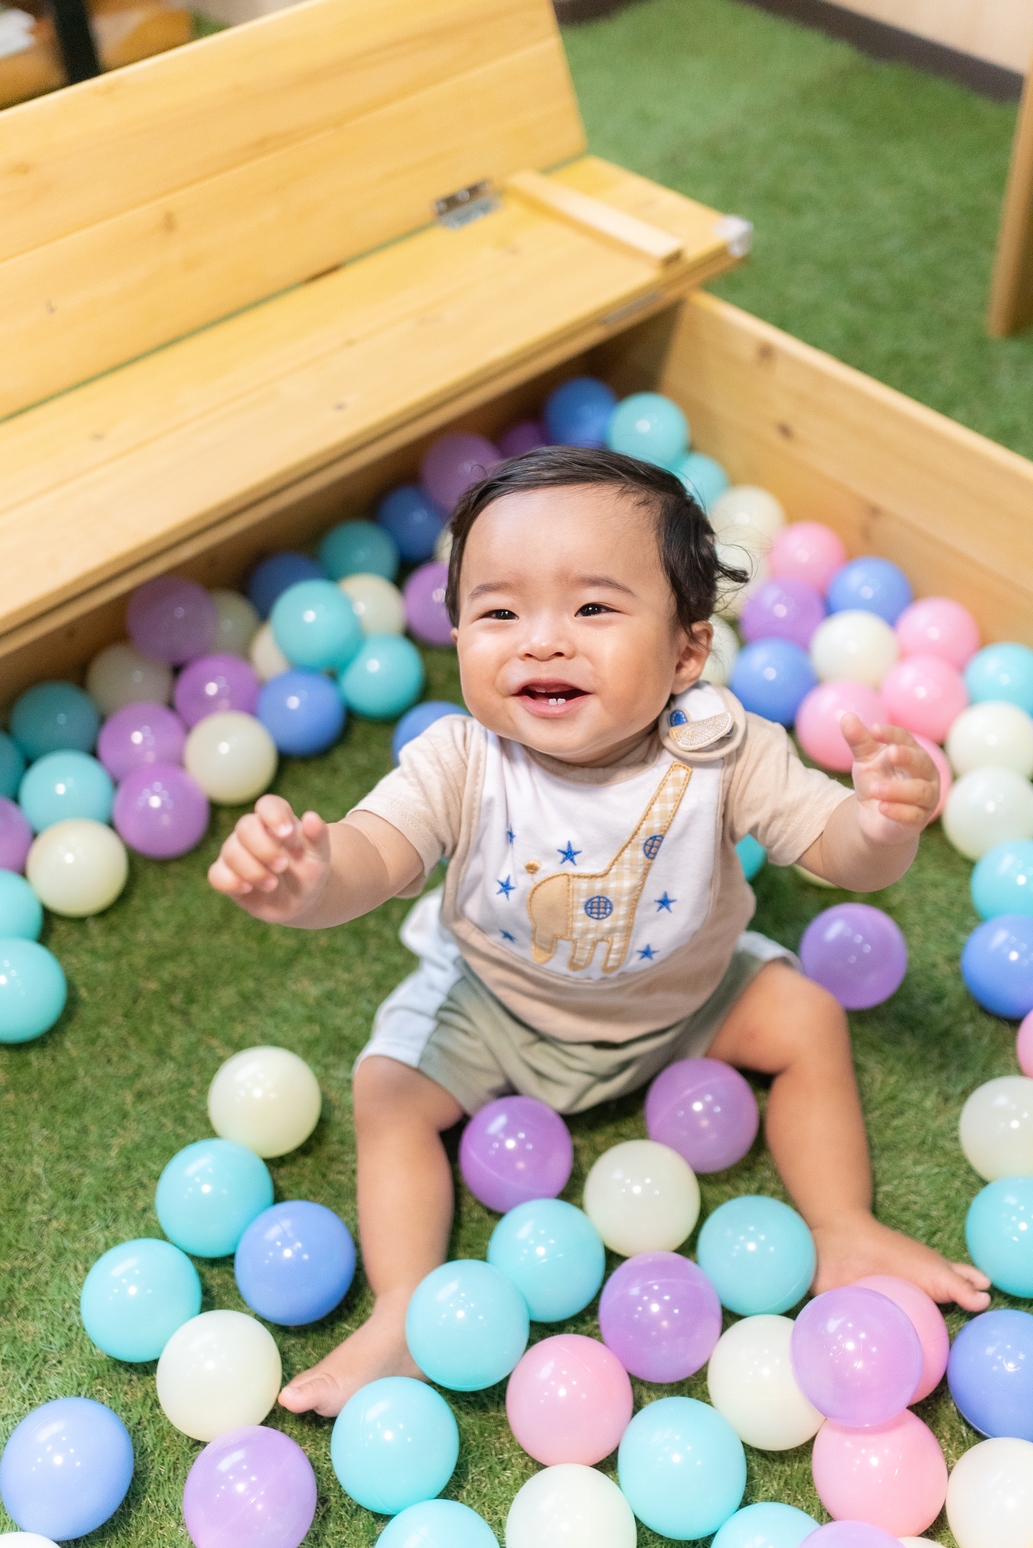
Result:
[458,209]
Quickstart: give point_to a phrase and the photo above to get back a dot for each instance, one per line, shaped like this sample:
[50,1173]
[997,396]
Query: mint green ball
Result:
[650,427]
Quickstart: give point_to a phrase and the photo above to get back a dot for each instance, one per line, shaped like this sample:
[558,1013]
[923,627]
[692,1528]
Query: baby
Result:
[593,924]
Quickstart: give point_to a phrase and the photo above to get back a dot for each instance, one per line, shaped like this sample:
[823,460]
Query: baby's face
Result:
[568,638]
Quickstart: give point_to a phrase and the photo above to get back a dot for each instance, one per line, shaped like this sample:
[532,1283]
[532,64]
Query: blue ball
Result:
[136,1296]
[32,990]
[65,784]
[766,1526]
[315,625]
[578,413]
[385,678]
[52,717]
[275,575]
[990,1374]
[751,856]
[650,427]
[438,1524]
[772,678]
[1002,881]
[295,1263]
[302,711]
[209,1194]
[359,548]
[704,478]
[394,1444]
[66,1468]
[12,766]
[681,1468]
[553,1254]
[871,585]
[467,1325]
[1003,671]
[414,521]
[758,1254]
[997,965]
[999,1234]
[415,721]
[21,912]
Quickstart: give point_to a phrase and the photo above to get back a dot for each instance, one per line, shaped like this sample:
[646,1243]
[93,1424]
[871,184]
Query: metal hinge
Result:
[466,204]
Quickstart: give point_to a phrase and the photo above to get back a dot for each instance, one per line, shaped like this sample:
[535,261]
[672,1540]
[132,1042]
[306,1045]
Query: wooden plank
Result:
[593,214]
[1011,290]
[1000,31]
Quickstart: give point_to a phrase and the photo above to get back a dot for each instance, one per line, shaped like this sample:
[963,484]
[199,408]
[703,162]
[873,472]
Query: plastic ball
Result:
[750,1380]
[527,435]
[161,811]
[172,619]
[997,965]
[660,1315]
[747,516]
[208,1195]
[772,678]
[266,1099]
[938,626]
[453,464]
[316,626]
[385,678]
[136,1296]
[394,1444]
[990,1373]
[295,1263]
[140,733]
[723,651]
[213,684]
[217,1372]
[236,622]
[871,585]
[54,717]
[413,520]
[437,1524]
[579,412]
[996,1128]
[266,656]
[943,769]
[359,548]
[784,610]
[467,1325]
[21,912]
[553,1254]
[704,479]
[856,952]
[66,1468]
[732,596]
[925,695]
[378,603]
[765,1525]
[425,605]
[253,1487]
[15,836]
[277,574]
[12,766]
[993,734]
[751,857]
[1002,671]
[570,1504]
[232,757]
[928,1323]
[63,785]
[1024,1045]
[890,1475]
[568,1400]
[818,721]
[120,675]
[513,1150]
[988,807]
[999,1236]
[25,1540]
[642,1197]
[681,1467]
[757,1253]
[990,1495]
[705,1110]
[77,868]
[809,552]
[32,990]
[853,646]
[856,1356]
[851,1534]
[650,427]
[415,721]
[302,711]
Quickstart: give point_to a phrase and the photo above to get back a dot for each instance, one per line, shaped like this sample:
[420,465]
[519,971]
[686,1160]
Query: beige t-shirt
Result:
[601,904]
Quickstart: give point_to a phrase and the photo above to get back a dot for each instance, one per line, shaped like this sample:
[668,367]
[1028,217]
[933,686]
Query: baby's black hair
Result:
[685,537]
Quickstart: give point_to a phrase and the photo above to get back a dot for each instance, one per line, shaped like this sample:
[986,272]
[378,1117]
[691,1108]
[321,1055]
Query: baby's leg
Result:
[405,1215]
[784,1025]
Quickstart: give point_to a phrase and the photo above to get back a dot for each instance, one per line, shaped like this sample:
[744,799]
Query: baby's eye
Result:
[592,610]
[504,613]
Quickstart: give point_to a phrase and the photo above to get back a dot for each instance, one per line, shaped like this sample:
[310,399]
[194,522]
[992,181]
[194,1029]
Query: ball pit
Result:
[660,1315]
[570,1504]
[394,1444]
[66,1468]
[757,1253]
[514,1150]
[136,1296]
[33,990]
[295,1263]
[359,548]
[138,734]
[856,952]
[890,1475]
[208,1195]
[266,1099]
[705,1110]
[77,867]
[750,1381]
[553,1254]
[990,1373]
[467,1325]
[856,1356]
[218,1372]
[642,1197]
[120,675]
[250,1488]
[160,811]
[681,1467]
[568,1400]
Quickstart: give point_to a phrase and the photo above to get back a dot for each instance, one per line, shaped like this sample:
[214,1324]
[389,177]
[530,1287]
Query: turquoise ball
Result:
[12,766]
[1002,881]
[52,716]
[65,784]
[681,1468]
[999,1234]
[21,912]
[315,625]
[385,677]
[32,990]
[467,1325]
[1002,671]
[394,1444]
[438,1524]
[553,1254]
[359,548]
[208,1195]
[703,478]
[136,1296]
[650,427]
[751,856]
[766,1525]
[758,1254]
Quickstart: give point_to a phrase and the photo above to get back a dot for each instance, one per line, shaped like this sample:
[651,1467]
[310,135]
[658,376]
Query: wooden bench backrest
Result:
[147,203]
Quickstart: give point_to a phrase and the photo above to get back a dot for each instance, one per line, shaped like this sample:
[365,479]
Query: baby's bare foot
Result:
[858,1245]
[376,1349]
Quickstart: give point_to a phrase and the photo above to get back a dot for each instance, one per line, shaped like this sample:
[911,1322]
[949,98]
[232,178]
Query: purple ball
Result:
[526,436]
[213,684]
[172,619]
[424,594]
[160,811]
[138,734]
[660,1315]
[856,952]
[452,463]
[704,1110]
[15,836]
[250,1488]
[785,609]
[851,1534]
[856,1356]
[514,1150]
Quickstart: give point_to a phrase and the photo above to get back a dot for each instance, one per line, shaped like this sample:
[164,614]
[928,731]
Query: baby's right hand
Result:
[274,864]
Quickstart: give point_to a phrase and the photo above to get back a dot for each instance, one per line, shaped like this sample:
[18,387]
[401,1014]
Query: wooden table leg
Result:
[1011,291]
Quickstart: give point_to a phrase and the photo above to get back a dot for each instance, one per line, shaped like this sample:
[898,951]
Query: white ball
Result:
[996,1128]
[748,515]
[642,1197]
[77,867]
[570,1506]
[990,1495]
[994,735]
[266,656]
[265,1098]
[232,757]
[732,599]
[25,1540]
[120,675]
[854,646]
[751,1383]
[443,546]
[217,1372]
[237,622]
[916,1542]
[377,603]
[722,656]
[988,807]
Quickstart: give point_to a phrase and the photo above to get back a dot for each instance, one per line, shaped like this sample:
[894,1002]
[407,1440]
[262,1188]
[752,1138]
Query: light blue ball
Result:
[772,678]
[1002,881]
[650,427]
[65,784]
[21,912]
[681,1468]
[12,766]
[751,856]
[415,721]
[704,478]
[758,1254]
[385,678]
[51,717]
[302,711]
[66,1468]
[136,1296]
[359,548]
[274,575]
[394,1444]
[766,1526]
[467,1325]
[1003,671]
[438,1524]
[578,412]
[997,965]
[315,625]
[871,585]
[295,1263]
[553,1254]
[32,990]
[413,520]
[999,1234]
[209,1194]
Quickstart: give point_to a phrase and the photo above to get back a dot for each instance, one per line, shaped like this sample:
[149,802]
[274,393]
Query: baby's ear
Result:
[692,656]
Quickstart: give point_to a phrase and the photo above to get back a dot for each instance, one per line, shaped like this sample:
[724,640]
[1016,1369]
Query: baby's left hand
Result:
[895,780]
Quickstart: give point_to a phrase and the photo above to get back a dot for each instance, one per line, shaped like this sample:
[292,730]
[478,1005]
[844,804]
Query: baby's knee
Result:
[817,1023]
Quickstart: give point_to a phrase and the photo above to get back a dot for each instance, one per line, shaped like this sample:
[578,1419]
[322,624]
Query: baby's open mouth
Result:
[550,693]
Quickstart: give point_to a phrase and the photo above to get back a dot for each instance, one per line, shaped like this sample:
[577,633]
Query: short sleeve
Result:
[784,805]
[423,796]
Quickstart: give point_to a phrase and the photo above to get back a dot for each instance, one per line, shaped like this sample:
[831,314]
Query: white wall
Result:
[998,30]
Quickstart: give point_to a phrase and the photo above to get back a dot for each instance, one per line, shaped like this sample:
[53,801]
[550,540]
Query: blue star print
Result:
[507,937]
[648,953]
[510,835]
[570,853]
[505,887]
[664,902]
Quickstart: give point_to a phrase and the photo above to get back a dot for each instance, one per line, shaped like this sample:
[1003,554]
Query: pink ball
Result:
[783,609]
[160,811]
[172,619]
[928,1323]
[526,436]
[891,1476]
[15,836]
[140,733]
[938,626]
[851,1534]
[944,770]
[817,721]
[1023,1043]
[424,594]
[925,695]
[213,684]
[569,1400]
[807,551]
[452,463]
